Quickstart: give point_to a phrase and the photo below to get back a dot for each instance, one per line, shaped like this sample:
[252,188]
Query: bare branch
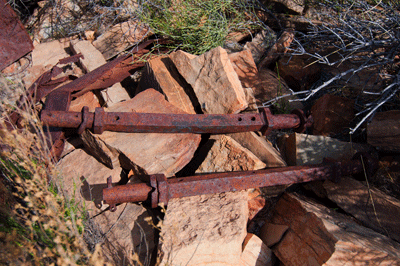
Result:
[366,36]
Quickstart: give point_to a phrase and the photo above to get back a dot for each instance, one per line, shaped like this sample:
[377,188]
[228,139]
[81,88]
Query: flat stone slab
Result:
[93,59]
[150,153]
[161,74]
[128,236]
[120,37]
[44,57]
[227,155]
[213,79]
[83,178]
[255,252]
[210,229]
[320,236]
[370,206]
[260,147]
[204,230]
[301,149]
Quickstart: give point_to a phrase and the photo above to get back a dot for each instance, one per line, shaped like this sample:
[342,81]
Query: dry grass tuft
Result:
[38,226]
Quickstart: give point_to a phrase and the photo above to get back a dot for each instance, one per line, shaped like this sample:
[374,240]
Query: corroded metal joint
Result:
[304,121]
[296,120]
[98,123]
[157,192]
[160,186]
[113,206]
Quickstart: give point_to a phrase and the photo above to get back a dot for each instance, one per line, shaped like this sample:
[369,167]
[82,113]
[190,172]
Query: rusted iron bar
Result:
[161,190]
[104,76]
[100,121]
[100,78]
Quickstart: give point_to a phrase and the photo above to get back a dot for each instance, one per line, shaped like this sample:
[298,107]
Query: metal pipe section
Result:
[127,193]
[217,183]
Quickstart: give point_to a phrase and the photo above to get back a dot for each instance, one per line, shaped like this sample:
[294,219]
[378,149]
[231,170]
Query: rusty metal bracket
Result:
[57,100]
[161,190]
[100,121]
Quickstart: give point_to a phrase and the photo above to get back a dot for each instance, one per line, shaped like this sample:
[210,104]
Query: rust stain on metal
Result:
[109,73]
[160,190]
[100,78]
[70,59]
[100,121]
[14,40]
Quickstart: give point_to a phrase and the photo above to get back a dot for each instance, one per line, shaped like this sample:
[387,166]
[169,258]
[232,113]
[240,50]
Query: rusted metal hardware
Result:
[47,85]
[14,40]
[111,72]
[55,138]
[161,190]
[100,78]
[100,121]
[43,86]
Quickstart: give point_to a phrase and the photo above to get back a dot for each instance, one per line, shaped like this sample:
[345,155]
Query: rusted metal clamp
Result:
[98,123]
[296,120]
[160,193]
[161,190]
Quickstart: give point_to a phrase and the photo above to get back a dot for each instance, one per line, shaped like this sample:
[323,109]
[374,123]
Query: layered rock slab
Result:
[128,235]
[83,177]
[44,57]
[383,131]
[320,236]
[92,59]
[154,153]
[301,149]
[161,74]
[332,114]
[371,207]
[89,99]
[227,155]
[210,229]
[260,147]
[204,230]
[298,73]
[120,37]
[255,252]
[213,79]
[264,83]
[246,69]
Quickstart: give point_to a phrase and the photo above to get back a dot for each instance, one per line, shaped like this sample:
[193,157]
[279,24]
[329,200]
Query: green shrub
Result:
[199,25]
